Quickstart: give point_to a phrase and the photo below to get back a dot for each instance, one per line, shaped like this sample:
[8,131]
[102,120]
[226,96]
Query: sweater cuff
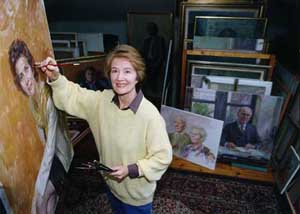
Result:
[55,82]
[133,171]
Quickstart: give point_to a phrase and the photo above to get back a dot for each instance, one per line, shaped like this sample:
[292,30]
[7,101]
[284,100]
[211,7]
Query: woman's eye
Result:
[127,71]
[113,71]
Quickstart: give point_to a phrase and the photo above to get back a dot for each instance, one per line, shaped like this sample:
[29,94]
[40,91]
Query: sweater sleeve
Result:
[159,149]
[73,99]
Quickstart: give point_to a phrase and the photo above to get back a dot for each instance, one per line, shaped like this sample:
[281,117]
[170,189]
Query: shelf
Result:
[224,169]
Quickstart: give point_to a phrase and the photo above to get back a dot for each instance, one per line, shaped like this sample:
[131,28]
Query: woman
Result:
[130,134]
[58,152]
[197,152]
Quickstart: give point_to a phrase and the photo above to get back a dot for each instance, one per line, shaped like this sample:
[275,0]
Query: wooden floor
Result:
[223,169]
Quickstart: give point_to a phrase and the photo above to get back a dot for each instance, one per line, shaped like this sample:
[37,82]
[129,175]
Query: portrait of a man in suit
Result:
[241,133]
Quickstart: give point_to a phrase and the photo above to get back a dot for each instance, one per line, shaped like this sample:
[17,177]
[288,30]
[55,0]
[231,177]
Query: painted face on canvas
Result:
[123,76]
[179,124]
[244,115]
[25,76]
[89,75]
[197,136]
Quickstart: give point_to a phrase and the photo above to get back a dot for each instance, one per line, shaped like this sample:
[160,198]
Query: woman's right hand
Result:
[50,68]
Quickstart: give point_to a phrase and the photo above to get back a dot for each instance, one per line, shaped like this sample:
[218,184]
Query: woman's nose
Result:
[120,76]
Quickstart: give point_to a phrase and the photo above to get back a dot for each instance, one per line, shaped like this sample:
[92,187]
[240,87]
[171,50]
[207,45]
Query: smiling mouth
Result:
[120,85]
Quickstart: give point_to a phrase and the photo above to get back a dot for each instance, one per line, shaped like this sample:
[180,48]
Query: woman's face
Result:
[123,76]
[196,137]
[25,76]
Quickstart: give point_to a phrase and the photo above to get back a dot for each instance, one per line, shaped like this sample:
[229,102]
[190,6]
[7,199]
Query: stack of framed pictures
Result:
[286,135]
[61,42]
[286,152]
[228,64]
[229,33]
[69,45]
[231,84]
[237,70]
[294,113]
[290,116]
[189,12]
[226,72]
[285,85]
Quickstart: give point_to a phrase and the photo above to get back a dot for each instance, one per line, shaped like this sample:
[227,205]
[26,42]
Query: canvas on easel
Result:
[30,125]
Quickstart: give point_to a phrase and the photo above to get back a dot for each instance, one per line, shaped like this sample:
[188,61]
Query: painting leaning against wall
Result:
[26,107]
[193,137]
[259,115]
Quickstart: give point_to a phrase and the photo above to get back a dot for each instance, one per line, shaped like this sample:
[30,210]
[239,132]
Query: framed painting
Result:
[190,11]
[231,84]
[288,168]
[282,90]
[93,42]
[229,43]
[137,27]
[294,112]
[74,68]
[235,61]
[61,43]
[238,70]
[286,78]
[230,27]
[285,136]
[81,45]
[193,137]
[293,195]
[263,112]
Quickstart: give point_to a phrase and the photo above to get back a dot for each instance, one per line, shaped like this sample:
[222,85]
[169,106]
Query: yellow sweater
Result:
[122,137]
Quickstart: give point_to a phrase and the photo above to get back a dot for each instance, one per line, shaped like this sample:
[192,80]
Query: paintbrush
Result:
[38,65]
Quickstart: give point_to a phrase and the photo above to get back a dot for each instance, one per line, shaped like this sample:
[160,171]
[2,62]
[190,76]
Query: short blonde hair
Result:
[199,130]
[130,53]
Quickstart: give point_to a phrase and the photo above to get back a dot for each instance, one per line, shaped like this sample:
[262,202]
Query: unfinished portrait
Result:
[35,150]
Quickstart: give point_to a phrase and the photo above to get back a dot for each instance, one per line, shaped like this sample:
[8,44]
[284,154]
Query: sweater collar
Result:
[134,105]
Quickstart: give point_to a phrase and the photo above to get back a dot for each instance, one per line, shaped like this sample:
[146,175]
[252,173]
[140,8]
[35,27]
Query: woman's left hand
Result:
[120,172]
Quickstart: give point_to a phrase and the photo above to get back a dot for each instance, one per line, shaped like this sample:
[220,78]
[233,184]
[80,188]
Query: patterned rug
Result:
[178,192]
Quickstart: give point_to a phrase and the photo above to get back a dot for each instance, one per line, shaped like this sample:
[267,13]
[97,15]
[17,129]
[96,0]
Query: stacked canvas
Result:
[226,68]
